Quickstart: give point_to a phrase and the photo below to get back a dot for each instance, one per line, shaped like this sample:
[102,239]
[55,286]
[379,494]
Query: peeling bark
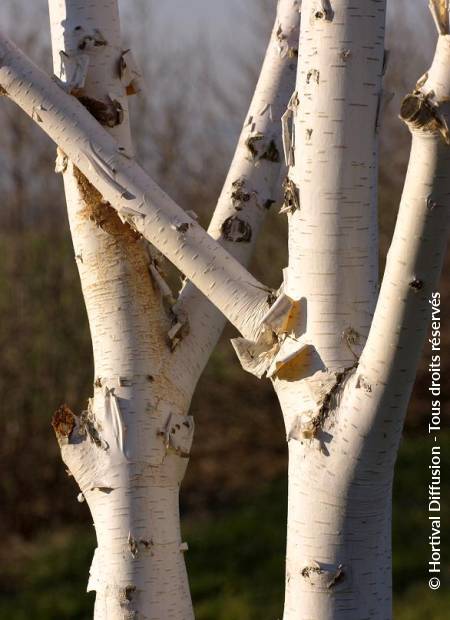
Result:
[122,183]
[251,185]
[343,380]
[118,451]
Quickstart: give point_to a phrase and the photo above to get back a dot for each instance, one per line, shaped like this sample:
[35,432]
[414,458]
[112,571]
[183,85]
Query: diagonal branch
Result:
[252,181]
[135,196]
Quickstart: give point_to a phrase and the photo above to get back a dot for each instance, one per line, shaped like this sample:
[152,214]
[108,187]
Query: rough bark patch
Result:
[63,422]
[237,230]
[108,113]
[102,213]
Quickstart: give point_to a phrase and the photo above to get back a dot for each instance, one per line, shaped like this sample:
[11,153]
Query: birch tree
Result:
[341,356]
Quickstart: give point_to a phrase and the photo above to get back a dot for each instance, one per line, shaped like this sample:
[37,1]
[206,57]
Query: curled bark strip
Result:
[114,420]
[292,362]
[61,161]
[287,127]
[256,357]
[291,197]
[267,354]
[129,73]
[324,387]
[178,331]
[73,70]
[179,319]
[279,314]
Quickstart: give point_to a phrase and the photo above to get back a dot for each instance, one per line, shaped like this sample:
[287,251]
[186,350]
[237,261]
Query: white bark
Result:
[120,451]
[333,535]
[137,199]
[252,183]
[333,252]
[344,418]
[129,450]
[343,390]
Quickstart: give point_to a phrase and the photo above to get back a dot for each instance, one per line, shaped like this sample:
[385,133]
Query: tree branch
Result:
[251,184]
[388,364]
[137,199]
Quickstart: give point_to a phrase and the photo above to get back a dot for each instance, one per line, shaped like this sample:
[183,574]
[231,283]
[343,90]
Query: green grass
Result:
[235,559]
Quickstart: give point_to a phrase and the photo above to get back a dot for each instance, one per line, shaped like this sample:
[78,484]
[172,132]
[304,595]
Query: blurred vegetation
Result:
[233,496]
[236,558]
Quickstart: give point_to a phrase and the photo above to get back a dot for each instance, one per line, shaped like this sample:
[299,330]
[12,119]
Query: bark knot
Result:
[239,195]
[63,422]
[420,112]
[94,39]
[324,11]
[261,148]
[323,578]
[416,285]
[236,229]
[108,113]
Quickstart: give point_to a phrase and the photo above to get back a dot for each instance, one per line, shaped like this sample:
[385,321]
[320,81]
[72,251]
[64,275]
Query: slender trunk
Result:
[119,450]
[137,199]
[344,417]
[338,564]
[252,184]
[129,450]
[343,389]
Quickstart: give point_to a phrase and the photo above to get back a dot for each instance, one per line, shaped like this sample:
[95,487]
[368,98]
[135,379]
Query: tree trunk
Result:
[337,544]
[121,451]
[344,413]
[343,379]
[129,450]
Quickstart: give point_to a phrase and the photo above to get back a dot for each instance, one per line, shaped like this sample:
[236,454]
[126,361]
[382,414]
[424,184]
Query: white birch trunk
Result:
[129,450]
[343,414]
[333,271]
[120,450]
[132,193]
[343,389]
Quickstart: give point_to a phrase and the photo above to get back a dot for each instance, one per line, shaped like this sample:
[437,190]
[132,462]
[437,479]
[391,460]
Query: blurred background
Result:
[200,59]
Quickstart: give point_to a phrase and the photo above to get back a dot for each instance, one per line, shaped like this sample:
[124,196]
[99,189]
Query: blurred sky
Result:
[221,26]
[233,34]
[224,25]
